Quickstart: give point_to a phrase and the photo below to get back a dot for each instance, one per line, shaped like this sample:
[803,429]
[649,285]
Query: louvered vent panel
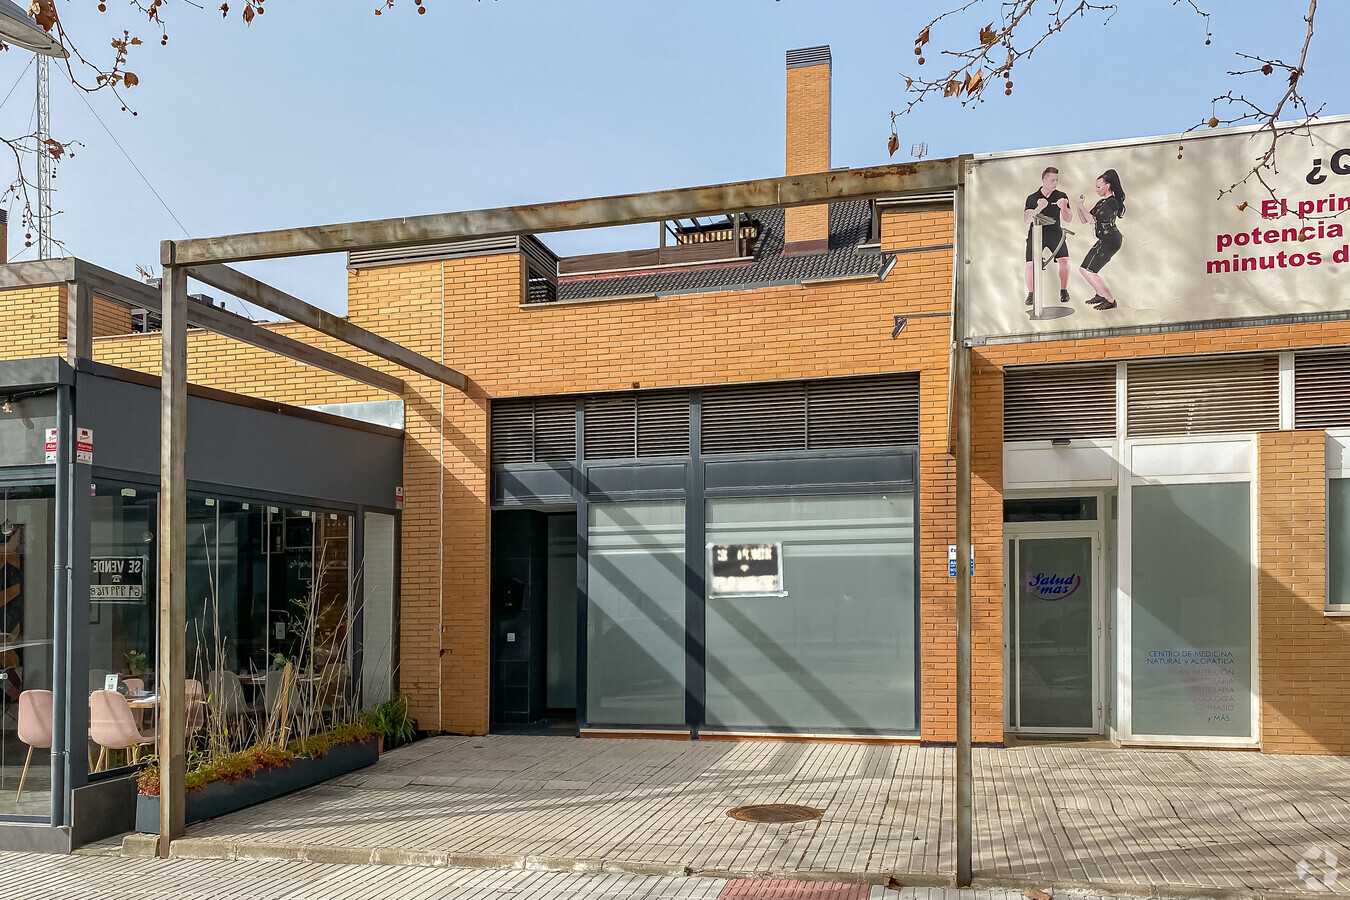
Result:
[1322,390]
[757,418]
[1204,397]
[868,412]
[555,429]
[1044,403]
[611,427]
[663,424]
[512,432]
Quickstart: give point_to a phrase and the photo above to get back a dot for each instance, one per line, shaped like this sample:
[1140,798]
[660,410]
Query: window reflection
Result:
[267,587]
[27,535]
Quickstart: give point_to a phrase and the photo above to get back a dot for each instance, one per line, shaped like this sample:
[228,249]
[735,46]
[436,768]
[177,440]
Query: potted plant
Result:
[391,723]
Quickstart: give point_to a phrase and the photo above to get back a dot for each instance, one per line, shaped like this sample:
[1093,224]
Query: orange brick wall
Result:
[808,145]
[467,312]
[32,322]
[110,318]
[713,338]
[1305,678]
[927,226]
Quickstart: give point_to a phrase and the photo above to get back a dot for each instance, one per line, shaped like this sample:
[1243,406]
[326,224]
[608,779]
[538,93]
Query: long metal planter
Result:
[221,797]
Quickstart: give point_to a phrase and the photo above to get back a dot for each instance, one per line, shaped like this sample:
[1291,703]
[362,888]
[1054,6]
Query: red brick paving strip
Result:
[786,889]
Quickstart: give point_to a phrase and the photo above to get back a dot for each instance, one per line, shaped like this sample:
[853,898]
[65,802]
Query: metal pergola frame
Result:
[206,259]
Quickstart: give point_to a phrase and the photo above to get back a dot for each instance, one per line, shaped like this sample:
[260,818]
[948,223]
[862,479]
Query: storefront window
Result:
[838,650]
[1338,543]
[27,542]
[1191,613]
[123,605]
[265,585]
[635,626]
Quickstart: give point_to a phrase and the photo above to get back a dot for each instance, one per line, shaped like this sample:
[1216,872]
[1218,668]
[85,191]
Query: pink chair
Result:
[35,727]
[113,727]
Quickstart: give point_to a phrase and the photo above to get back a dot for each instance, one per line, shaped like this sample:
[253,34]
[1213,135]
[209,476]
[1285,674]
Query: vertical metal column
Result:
[961,361]
[172,551]
[61,679]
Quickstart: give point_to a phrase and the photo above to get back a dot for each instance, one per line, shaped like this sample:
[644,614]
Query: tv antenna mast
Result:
[18,29]
[44,158]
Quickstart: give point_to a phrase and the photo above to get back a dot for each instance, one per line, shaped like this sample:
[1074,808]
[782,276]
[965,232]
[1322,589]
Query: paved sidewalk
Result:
[1119,820]
[112,878]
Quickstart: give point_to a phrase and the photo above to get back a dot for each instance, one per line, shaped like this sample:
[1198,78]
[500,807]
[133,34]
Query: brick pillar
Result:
[938,598]
[808,142]
[1305,682]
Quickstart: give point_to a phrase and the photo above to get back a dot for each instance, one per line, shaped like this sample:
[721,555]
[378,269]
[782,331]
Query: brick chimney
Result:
[807,228]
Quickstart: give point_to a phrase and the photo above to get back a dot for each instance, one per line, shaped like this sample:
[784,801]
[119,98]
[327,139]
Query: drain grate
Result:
[776,813]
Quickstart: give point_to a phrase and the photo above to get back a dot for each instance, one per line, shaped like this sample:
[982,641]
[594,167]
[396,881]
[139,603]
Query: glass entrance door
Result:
[1053,627]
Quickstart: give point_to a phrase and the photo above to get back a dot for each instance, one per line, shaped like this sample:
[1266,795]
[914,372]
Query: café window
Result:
[1338,544]
[267,586]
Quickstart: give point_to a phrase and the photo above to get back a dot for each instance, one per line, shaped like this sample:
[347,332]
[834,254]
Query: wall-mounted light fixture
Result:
[900,323]
[887,265]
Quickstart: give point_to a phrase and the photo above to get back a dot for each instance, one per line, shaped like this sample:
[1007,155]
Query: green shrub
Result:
[391,719]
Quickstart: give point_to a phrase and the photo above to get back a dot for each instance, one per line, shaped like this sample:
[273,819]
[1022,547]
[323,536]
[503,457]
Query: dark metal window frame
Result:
[695,495]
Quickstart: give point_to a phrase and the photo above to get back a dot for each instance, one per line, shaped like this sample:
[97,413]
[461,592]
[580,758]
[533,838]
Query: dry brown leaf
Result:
[130,79]
[1034,894]
[974,80]
[893,143]
[988,37]
[248,15]
[44,13]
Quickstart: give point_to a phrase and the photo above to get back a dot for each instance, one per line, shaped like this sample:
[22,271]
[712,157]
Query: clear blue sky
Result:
[310,117]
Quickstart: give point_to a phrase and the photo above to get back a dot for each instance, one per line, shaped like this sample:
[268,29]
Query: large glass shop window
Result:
[27,533]
[835,647]
[266,586]
[635,614]
[1191,613]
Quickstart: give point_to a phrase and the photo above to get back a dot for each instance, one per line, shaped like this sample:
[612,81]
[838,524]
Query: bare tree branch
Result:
[1015,35]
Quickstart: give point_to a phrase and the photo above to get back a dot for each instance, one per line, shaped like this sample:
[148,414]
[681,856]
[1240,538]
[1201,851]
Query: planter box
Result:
[221,797]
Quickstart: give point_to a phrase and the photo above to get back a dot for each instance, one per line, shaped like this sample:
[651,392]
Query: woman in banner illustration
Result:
[1103,217]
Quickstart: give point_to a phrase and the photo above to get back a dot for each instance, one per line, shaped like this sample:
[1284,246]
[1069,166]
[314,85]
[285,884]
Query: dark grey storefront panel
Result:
[532,486]
[26,374]
[634,482]
[23,430]
[241,447]
[776,475]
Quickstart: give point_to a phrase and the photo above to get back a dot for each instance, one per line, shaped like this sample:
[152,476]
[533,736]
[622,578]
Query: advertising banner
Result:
[1136,234]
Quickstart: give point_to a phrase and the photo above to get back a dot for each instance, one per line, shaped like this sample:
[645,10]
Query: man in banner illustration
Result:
[1048,207]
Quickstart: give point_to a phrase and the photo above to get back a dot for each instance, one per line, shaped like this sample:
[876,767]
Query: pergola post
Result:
[172,552]
[965,779]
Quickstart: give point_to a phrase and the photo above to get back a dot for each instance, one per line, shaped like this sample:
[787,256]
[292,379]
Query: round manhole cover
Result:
[774,812]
